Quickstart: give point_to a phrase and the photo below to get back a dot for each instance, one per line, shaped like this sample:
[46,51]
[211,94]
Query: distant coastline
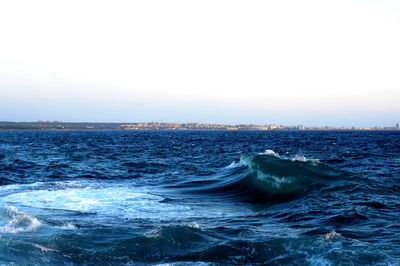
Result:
[56,125]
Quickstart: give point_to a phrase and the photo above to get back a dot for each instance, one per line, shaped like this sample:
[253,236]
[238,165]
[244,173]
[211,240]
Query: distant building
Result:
[397,125]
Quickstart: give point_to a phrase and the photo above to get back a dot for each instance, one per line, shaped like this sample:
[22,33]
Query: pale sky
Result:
[282,62]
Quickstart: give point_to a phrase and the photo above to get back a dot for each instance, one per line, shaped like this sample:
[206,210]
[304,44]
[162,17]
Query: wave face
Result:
[199,198]
[279,178]
[268,177]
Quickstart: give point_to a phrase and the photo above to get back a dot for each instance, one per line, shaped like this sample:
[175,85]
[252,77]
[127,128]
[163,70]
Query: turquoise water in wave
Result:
[199,197]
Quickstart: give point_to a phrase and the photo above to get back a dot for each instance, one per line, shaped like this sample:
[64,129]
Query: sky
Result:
[306,62]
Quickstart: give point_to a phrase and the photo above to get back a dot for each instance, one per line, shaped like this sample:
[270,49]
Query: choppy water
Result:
[199,197]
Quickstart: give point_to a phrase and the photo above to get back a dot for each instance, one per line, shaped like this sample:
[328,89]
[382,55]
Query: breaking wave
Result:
[268,177]
[15,221]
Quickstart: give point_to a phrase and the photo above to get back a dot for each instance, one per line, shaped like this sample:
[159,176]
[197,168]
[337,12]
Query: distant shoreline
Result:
[156,126]
[199,130]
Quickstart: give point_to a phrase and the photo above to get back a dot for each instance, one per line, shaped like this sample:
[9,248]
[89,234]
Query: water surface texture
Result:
[199,197]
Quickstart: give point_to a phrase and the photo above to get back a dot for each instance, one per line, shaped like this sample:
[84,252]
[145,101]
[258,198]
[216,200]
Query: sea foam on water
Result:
[16,221]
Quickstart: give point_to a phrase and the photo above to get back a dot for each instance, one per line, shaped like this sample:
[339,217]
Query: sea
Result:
[200,197]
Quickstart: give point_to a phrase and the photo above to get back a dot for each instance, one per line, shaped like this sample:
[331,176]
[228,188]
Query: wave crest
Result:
[268,177]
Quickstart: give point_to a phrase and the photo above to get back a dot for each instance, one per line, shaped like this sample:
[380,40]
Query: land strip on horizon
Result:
[57,125]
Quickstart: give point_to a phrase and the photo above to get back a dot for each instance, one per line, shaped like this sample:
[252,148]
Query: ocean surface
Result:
[200,197]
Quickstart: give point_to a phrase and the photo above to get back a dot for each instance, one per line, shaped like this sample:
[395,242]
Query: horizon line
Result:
[394,125]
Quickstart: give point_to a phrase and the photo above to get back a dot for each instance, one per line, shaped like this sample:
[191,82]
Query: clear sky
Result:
[285,62]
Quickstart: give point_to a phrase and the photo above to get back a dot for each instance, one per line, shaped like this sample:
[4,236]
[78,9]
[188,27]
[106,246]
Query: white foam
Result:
[297,157]
[5,190]
[157,233]
[195,226]
[116,201]
[270,152]
[15,221]
[331,235]
[68,226]
[44,249]
[277,181]
[301,158]
[235,164]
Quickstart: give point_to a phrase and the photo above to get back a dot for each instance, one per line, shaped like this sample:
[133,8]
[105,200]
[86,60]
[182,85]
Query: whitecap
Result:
[331,235]
[235,164]
[302,158]
[15,221]
[195,226]
[270,152]
[299,158]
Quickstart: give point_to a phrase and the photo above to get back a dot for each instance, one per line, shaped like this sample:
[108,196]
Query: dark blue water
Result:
[184,198]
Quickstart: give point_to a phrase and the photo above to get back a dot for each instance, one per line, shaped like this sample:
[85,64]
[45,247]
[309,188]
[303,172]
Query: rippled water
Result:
[196,197]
